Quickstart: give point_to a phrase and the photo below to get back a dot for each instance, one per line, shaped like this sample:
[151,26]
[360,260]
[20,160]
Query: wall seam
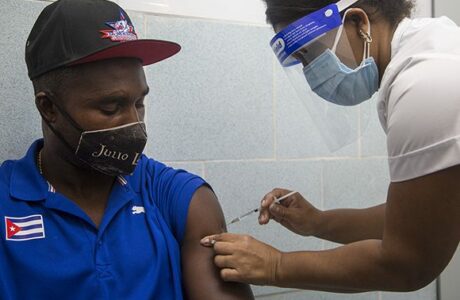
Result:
[203,166]
[254,160]
[274,112]
[323,242]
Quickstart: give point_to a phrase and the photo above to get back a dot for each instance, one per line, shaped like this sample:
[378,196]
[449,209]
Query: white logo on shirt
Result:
[138,210]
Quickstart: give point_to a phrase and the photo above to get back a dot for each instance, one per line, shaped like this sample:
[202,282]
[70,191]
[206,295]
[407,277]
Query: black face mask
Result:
[113,151]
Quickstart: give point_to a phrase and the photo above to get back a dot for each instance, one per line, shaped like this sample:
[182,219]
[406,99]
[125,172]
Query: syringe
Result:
[257,209]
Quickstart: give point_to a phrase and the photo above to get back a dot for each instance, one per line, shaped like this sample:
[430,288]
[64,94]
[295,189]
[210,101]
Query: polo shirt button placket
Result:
[102,265]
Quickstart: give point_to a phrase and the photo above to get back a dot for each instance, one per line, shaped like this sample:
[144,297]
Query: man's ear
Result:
[46,107]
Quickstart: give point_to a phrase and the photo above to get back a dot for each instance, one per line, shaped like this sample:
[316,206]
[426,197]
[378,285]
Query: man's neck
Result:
[84,186]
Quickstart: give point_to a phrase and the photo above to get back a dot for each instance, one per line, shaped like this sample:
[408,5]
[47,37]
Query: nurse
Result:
[338,54]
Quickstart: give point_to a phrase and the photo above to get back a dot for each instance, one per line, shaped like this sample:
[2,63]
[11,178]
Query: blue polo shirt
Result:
[50,249]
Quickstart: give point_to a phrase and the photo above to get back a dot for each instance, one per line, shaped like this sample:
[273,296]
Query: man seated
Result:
[86,215]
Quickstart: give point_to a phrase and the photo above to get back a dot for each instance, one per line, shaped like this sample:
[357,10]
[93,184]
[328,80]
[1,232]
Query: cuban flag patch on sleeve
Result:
[24,228]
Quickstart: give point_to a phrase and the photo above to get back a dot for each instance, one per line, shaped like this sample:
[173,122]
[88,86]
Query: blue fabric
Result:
[132,255]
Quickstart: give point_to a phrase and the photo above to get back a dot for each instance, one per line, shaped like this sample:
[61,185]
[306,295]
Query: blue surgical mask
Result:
[333,81]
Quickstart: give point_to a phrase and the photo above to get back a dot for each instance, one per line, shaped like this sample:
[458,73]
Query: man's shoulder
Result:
[6,168]
[146,162]
[157,168]
[158,179]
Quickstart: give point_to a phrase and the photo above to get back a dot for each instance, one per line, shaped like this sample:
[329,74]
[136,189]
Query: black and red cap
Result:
[72,32]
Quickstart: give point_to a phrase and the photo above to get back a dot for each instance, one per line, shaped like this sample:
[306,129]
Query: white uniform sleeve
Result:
[423,123]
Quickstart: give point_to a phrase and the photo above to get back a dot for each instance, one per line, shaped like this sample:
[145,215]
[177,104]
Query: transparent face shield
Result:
[330,80]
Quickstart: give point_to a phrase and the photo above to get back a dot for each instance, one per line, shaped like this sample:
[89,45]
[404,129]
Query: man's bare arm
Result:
[201,277]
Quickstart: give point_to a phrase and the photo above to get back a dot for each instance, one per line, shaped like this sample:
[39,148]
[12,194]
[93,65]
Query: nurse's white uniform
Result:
[419,98]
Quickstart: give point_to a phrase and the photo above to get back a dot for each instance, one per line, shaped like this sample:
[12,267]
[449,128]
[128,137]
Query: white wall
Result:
[248,11]
[450,8]
[423,8]
[450,279]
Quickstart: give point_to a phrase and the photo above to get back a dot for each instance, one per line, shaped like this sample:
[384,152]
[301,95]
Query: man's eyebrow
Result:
[115,97]
[112,98]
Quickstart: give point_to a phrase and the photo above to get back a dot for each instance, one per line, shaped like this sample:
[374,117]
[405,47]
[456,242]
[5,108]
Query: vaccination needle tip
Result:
[242,216]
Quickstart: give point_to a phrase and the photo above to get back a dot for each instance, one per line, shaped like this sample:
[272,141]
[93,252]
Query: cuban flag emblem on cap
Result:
[24,228]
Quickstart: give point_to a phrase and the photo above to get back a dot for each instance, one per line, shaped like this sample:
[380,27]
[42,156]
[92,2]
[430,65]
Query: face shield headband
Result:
[307,30]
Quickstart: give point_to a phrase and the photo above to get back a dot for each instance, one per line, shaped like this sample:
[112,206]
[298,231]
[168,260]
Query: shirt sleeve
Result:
[423,129]
[172,193]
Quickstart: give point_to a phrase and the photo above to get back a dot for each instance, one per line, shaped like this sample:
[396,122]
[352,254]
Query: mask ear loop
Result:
[141,124]
[366,36]
[51,127]
[339,33]
[52,98]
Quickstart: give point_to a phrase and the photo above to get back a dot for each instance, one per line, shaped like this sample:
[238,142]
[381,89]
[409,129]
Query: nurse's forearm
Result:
[357,267]
[351,225]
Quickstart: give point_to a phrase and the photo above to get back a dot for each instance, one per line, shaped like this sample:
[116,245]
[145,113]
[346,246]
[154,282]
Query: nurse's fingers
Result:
[267,201]
[229,275]
[223,248]
[224,261]
[210,240]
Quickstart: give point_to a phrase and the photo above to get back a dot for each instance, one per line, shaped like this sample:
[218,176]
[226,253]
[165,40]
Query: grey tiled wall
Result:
[222,109]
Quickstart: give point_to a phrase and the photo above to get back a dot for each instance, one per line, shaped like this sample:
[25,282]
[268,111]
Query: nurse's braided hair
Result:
[287,11]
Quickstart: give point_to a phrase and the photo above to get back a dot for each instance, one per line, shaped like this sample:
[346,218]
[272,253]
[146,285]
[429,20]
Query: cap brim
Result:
[148,51]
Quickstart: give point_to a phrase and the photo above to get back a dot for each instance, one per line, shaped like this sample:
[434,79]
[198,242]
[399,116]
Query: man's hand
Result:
[242,258]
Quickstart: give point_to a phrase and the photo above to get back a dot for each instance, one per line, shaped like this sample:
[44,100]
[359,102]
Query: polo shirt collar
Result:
[26,182]
[134,181]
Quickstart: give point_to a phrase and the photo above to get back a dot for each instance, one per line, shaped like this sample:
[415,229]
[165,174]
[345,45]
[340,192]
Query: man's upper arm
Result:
[201,277]
[422,225]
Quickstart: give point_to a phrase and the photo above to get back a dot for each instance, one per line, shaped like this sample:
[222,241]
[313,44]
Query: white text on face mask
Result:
[104,151]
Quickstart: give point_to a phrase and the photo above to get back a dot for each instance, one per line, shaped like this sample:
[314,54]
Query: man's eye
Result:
[109,109]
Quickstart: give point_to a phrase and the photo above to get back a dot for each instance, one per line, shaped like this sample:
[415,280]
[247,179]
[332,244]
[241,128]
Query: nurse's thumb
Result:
[279,212]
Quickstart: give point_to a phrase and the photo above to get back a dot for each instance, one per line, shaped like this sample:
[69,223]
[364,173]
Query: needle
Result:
[257,209]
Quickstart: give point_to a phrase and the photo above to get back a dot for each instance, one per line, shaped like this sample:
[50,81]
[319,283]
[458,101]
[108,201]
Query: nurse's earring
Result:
[367,43]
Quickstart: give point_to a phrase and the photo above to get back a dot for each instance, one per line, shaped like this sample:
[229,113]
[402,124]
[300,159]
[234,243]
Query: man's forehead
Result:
[124,69]
[107,77]
[110,64]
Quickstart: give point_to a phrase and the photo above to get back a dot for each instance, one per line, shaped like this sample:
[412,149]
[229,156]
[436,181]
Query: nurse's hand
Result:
[242,258]
[295,213]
